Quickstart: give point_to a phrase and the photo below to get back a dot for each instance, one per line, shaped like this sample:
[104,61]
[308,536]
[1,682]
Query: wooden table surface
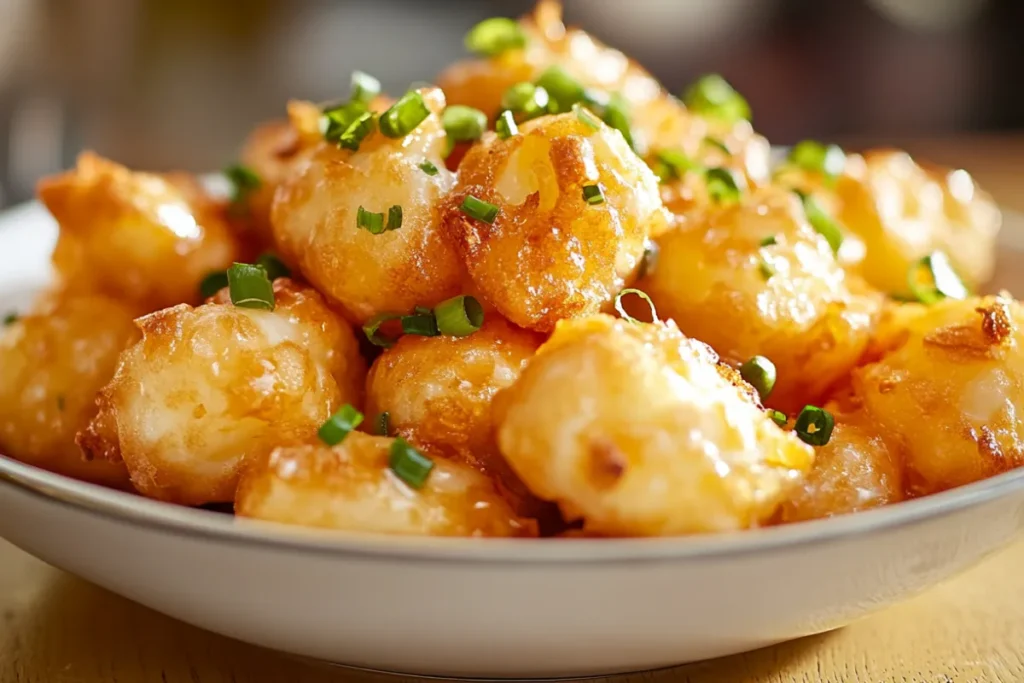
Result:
[55,628]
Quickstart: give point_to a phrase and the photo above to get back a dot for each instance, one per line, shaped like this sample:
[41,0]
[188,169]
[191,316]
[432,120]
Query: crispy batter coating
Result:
[949,394]
[52,363]
[144,238]
[549,254]
[789,301]
[632,428]
[208,388]
[351,487]
[314,217]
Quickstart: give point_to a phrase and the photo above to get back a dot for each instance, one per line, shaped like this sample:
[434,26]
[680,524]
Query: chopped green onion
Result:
[814,425]
[404,116]
[243,180]
[616,115]
[593,194]
[408,464]
[372,329]
[394,218]
[526,99]
[829,160]
[352,137]
[711,95]
[370,221]
[384,423]
[767,269]
[778,417]
[585,116]
[769,241]
[351,121]
[364,87]
[933,278]
[10,319]
[493,36]
[649,261]
[464,124]
[338,426]
[722,185]
[459,316]
[422,324]
[479,209]
[643,295]
[506,125]
[213,283]
[672,164]
[563,89]
[759,372]
[273,265]
[824,224]
[423,310]
[716,143]
[250,287]
[428,168]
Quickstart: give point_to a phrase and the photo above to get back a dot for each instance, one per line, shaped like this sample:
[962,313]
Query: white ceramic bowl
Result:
[492,608]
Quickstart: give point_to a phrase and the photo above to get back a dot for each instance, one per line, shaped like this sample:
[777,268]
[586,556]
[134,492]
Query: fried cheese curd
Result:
[144,238]
[550,252]
[316,215]
[751,278]
[53,361]
[635,430]
[948,393]
[351,487]
[208,388]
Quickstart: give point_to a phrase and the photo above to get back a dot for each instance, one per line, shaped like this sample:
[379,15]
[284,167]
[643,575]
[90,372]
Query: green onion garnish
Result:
[459,316]
[464,124]
[428,168]
[364,87]
[353,136]
[592,194]
[394,218]
[759,372]
[506,125]
[824,224]
[829,160]
[722,185]
[526,99]
[338,426]
[372,329]
[672,164]
[495,35]
[643,295]
[933,278]
[423,310]
[767,269]
[563,89]
[408,464]
[479,209]
[649,260]
[717,144]
[347,124]
[769,241]
[422,324]
[404,116]
[585,116]
[370,221]
[814,425]
[778,417]
[712,96]
[250,287]
[213,283]
[616,115]
[273,265]
[10,319]
[243,181]
[384,423]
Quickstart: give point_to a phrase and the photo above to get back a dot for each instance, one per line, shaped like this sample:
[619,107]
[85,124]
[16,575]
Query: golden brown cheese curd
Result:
[633,428]
[754,278]
[52,363]
[208,388]
[145,238]
[949,393]
[350,487]
[549,254]
[315,221]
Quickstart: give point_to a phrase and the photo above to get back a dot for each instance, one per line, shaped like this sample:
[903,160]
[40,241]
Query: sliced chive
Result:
[357,131]
[384,423]
[372,329]
[769,241]
[10,319]
[933,278]
[250,287]
[213,283]
[351,120]
[810,155]
[244,181]
[778,417]
[338,426]
[506,125]
[593,194]
[394,218]
[767,269]
[616,115]
[422,324]
[759,372]
[428,168]
[711,95]
[479,209]
[423,310]
[814,425]
[459,316]
[364,87]
[717,144]
[586,117]
[640,293]
[722,185]
[463,124]
[824,224]
[649,261]
[370,221]
[493,36]
[273,265]
[563,89]
[671,164]
[409,464]
[526,100]
[404,116]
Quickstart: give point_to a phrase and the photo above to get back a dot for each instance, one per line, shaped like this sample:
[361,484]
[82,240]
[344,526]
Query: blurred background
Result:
[161,84]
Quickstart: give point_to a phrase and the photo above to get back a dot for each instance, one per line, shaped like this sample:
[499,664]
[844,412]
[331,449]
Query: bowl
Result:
[495,608]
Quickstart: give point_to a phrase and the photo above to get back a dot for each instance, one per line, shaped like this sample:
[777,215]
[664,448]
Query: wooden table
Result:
[55,628]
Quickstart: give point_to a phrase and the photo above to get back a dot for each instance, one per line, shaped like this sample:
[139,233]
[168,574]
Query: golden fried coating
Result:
[549,254]
[351,487]
[949,394]
[208,388]
[632,428]
[144,238]
[52,363]
[314,217]
[722,282]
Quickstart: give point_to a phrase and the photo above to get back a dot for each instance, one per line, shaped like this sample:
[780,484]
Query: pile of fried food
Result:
[545,297]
